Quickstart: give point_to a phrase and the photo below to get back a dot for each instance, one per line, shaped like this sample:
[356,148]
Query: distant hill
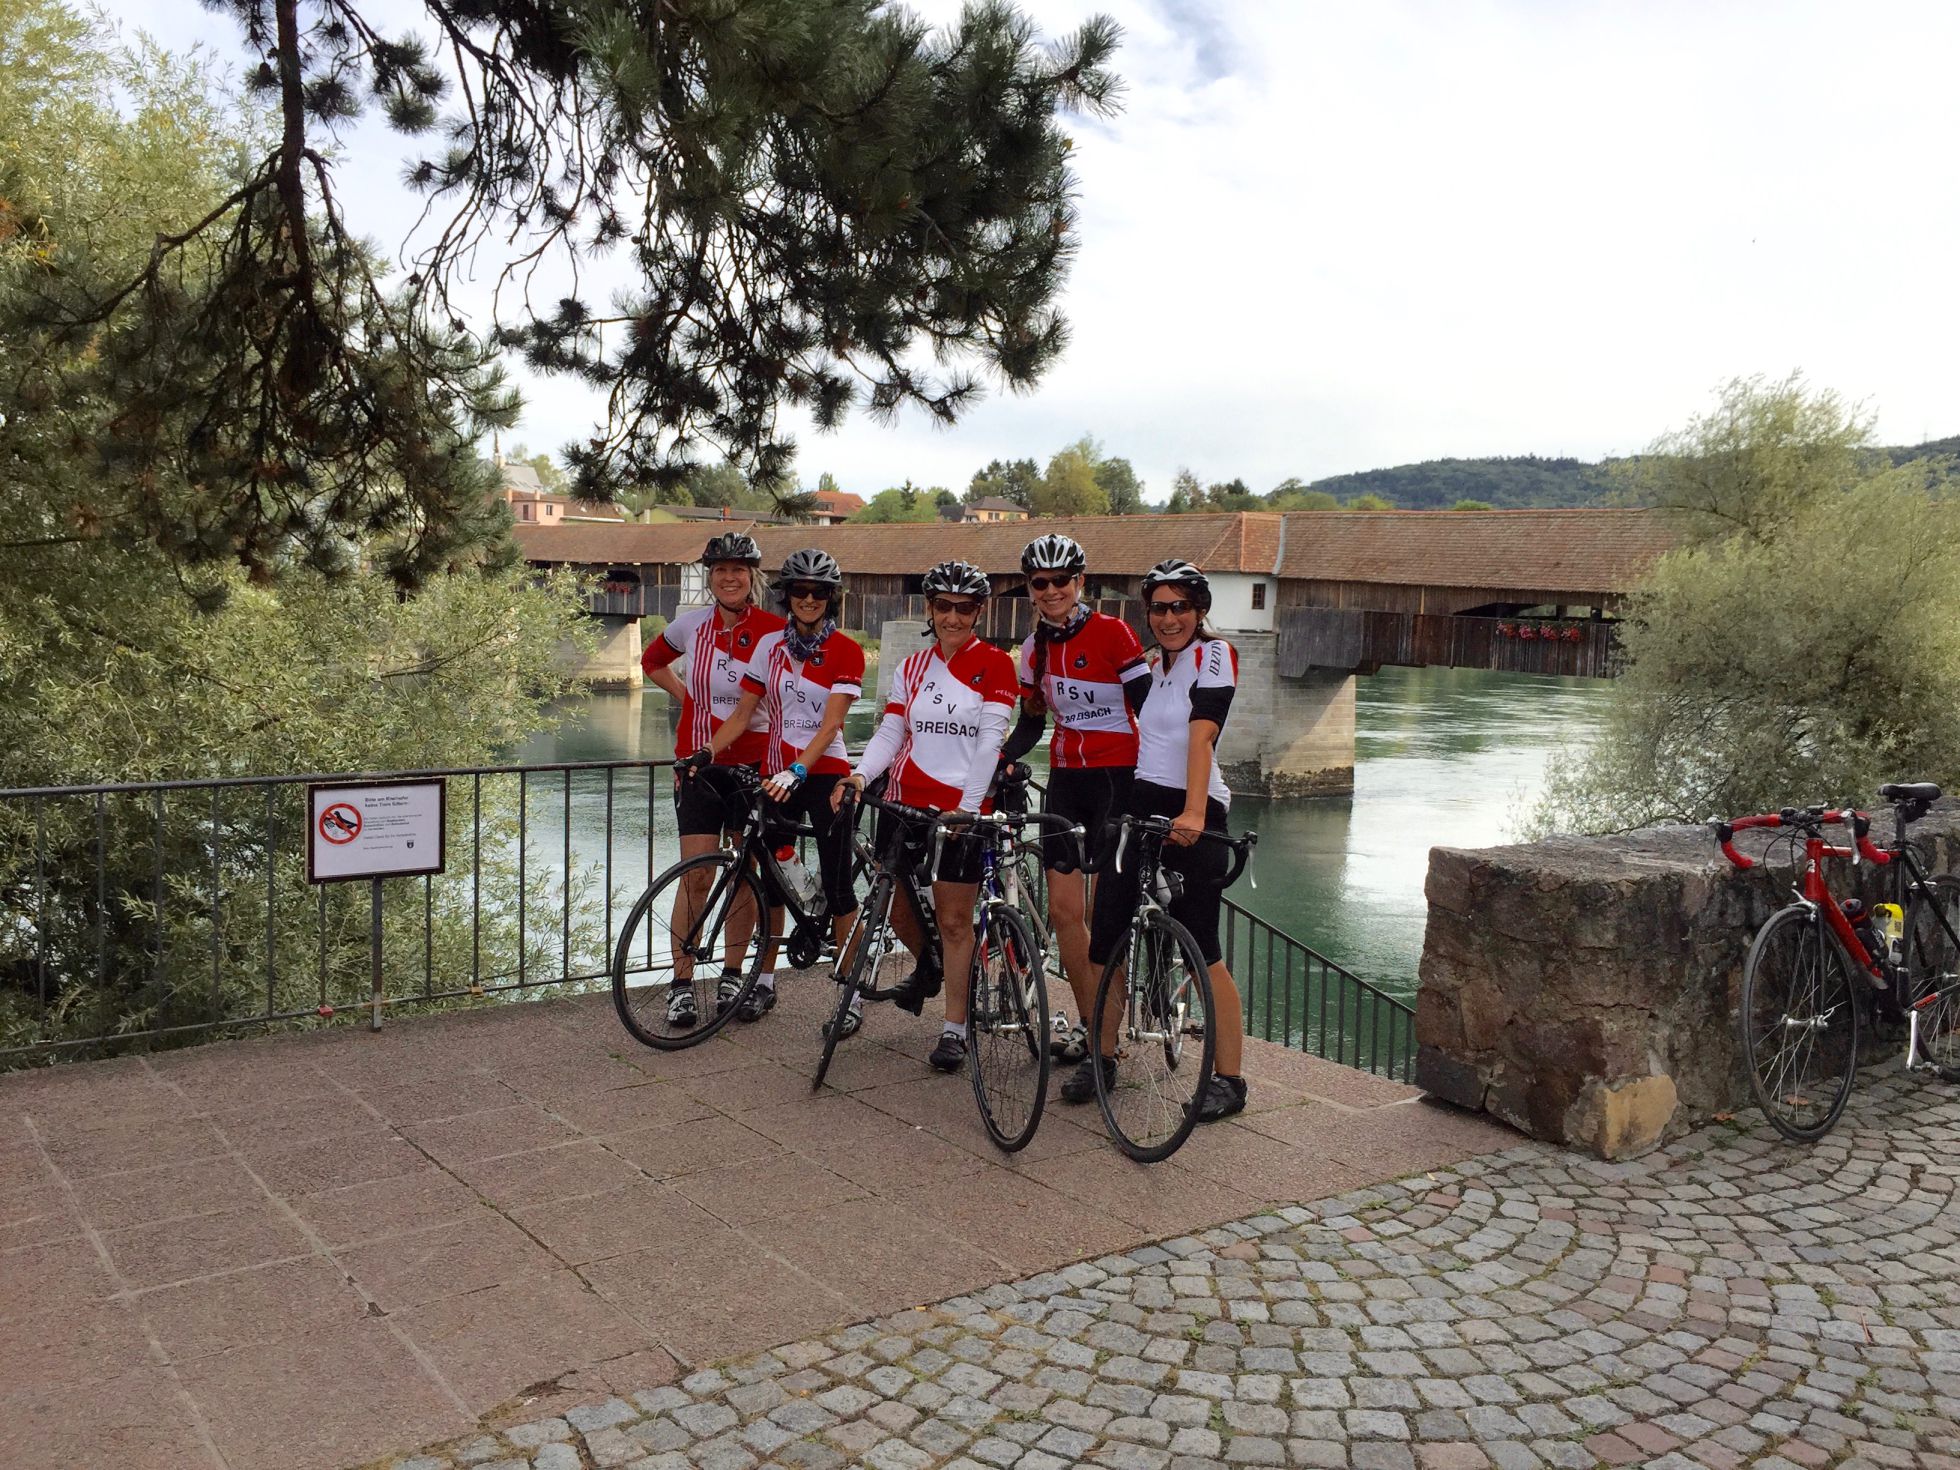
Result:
[1522,482]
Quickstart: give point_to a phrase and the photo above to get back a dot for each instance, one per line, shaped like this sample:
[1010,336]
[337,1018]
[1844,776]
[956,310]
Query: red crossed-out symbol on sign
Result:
[340,823]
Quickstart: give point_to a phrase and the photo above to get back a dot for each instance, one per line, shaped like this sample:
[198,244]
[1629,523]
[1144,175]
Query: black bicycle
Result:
[1158,979]
[667,985]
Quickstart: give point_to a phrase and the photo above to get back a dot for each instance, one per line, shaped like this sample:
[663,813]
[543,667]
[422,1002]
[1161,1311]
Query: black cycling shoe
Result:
[1223,1097]
[912,993]
[1080,1086]
[759,1002]
[681,1011]
[726,989]
[853,1020]
[950,1053]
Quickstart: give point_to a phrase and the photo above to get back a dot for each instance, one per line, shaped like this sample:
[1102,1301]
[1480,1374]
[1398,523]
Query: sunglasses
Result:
[807,589]
[1042,584]
[958,607]
[1175,609]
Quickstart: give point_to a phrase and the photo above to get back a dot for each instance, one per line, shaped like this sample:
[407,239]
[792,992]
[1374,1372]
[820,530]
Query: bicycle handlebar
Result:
[1161,827]
[1810,819]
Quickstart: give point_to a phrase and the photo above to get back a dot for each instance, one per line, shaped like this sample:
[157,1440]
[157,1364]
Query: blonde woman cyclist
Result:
[940,740]
[803,677]
[717,641]
[1086,669]
[1192,679]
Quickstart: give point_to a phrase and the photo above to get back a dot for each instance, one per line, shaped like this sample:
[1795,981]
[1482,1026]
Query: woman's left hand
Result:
[1185,828]
[781,785]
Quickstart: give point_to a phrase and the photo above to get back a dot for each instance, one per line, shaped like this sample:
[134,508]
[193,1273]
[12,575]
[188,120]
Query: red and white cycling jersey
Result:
[940,703]
[715,658]
[794,695]
[1081,679]
[1164,735]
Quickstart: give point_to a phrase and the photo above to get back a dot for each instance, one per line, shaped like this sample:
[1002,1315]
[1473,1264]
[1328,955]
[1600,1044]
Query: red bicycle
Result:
[1818,968]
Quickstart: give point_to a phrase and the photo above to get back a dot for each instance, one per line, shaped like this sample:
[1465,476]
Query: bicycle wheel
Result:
[1932,977]
[1798,1024]
[657,966]
[878,961]
[1007,1028]
[1165,1042]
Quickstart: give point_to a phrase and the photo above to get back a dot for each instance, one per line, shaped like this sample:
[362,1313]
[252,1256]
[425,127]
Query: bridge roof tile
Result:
[1586,550]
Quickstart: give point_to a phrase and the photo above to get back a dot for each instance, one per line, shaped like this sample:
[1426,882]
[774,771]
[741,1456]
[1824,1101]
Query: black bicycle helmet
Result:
[811,565]
[1052,553]
[732,546]
[1176,572]
[957,579]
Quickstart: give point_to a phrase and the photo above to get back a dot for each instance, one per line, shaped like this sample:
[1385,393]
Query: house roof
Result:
[838,502]
[522,478]
[1543,550]
[997,502]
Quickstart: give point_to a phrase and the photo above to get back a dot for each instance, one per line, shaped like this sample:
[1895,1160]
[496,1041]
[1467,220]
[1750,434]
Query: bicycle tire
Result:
[1151,1105]
[864,934]
[1007,1028]
[1031,891]
[1932,978]
[644,936]
[1798,1024]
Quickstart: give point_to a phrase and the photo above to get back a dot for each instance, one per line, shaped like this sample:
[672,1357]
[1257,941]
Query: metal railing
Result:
[140,913]
[1296,996]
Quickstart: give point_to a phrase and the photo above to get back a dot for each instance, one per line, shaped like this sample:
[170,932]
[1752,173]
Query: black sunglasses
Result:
[1042,584]
[958,607]
[809,589]
[1175,609]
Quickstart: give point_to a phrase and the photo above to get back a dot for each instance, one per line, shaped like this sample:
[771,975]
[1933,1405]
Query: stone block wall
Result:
[1584,989]
[1287,737]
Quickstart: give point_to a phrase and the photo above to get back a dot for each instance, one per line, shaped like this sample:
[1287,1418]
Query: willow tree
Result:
[815,203]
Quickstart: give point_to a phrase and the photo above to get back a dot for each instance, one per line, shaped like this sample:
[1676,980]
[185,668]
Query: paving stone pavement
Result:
[1727,1301]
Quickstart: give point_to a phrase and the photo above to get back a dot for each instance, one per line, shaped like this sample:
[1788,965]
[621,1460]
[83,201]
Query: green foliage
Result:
[1118,481]
[1294,495]
[1069,487]
[1013,480]
[1473,505]
[1187,494]
[1801,647]
[1233,495]
[1369,502]
[903,503]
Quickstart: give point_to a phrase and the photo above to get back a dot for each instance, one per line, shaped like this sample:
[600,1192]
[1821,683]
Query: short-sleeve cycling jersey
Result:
[1205,673]
[794,695]
[715,658]
[1081,680]
[940,702]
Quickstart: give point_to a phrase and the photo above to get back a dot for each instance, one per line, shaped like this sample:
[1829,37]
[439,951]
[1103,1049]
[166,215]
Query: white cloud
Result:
[1328,237]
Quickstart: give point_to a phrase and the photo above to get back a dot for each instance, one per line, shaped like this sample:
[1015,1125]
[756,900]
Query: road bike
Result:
[693,913]
[1818,969]
[1158,980]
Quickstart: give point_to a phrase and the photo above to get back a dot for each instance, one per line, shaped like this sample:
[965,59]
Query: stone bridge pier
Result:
[1287,736]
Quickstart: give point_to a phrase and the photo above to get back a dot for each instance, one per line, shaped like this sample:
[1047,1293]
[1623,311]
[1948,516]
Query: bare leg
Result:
[1227,1023]
[687,903]
[1068,904]
[953,904]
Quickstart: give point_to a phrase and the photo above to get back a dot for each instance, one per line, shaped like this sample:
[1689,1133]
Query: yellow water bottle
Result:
[1889,923]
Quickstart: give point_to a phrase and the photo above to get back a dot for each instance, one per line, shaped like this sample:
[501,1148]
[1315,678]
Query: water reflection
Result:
[1443,757]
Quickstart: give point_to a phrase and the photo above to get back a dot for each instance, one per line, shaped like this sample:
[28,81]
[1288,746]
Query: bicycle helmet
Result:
[1176,572]
[957,579]
[811,565]
[1052,553]
[732,546]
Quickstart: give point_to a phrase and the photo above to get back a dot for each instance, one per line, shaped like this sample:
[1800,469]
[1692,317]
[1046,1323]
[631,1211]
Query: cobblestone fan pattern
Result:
[1728,1301]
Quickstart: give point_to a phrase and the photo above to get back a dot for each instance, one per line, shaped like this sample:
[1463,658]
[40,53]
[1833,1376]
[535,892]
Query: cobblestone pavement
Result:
[1727,1301]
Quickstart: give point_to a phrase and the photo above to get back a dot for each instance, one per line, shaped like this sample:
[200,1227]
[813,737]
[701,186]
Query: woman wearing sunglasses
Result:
[1087,669]
[1192,679]
[940,739]
[803,678]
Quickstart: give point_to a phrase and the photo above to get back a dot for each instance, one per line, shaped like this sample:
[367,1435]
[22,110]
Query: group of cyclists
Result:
[1135,735]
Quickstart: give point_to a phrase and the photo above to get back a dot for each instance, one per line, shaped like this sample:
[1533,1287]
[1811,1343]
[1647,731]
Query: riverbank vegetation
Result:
[1801,645]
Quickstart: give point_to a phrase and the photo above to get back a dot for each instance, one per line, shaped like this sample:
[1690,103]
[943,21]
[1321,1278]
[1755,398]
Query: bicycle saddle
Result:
[1910,791]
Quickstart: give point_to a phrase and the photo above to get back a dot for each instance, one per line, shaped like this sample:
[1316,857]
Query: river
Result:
[1443,757]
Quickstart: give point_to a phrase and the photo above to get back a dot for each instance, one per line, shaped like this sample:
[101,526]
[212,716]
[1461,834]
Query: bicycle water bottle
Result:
[1889,923]
[801,882]
[1862,926]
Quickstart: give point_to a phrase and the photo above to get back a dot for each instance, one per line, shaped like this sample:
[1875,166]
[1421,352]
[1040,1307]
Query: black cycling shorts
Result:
[811,800]
[710,802]
[1091,798]
[1202,866]
[959,855]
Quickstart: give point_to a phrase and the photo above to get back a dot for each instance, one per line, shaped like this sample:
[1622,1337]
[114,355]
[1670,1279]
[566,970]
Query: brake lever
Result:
[1122,842]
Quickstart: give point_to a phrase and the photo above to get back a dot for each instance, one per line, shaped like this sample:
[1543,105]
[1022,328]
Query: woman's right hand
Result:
[854,781]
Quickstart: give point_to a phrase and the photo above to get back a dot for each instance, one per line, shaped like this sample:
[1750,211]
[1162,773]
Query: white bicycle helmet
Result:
[1052,553]
[1176,572]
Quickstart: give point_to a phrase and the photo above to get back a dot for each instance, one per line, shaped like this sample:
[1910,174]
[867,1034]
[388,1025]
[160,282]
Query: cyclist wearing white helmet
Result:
[803,677]
[717,642]
[1192,679]
[1087,669]
[940,740]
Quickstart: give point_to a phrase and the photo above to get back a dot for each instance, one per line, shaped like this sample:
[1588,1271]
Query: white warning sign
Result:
[390,829]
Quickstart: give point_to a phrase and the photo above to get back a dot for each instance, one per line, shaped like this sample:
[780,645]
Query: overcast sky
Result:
[1328,237]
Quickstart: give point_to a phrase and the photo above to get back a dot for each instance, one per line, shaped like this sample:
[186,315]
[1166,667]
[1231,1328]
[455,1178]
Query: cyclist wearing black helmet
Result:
[1087,669]
[803,677]
[717,641]
[1192,678]
[940,740]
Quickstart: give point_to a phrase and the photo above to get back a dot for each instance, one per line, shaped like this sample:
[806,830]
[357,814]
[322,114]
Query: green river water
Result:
[1446,757]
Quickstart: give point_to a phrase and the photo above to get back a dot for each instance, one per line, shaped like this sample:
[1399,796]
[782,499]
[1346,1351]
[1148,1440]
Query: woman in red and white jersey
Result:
[1086,669]
[717,642]
[940,740]
[803,677]
[1192,683]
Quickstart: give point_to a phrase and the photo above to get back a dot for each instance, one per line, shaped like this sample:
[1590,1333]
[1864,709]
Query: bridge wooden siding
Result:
[1364,640]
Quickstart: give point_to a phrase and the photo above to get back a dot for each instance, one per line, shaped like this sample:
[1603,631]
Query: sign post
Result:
[373,831]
